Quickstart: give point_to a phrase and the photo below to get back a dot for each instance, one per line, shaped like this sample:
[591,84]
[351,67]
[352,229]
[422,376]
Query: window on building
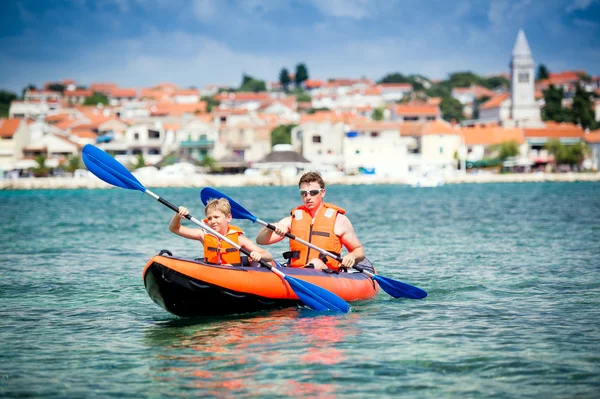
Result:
[523,77]
[154,151]
[357,152]
[316,139]
[441,150]
[330,152]
[153,134]
[430,118]
[411,118]
[203,137]
[374,134]
[136,136]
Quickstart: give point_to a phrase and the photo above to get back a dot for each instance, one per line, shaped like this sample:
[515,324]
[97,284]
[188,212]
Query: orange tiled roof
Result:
[103,87]
[593,136]
[495,101]
[439,127]
[417,109]
[313,83]
[84,133]
[123,93]
[166,108]
[556,130]
[490,135]
[8,127]
[361,125]
[242,96]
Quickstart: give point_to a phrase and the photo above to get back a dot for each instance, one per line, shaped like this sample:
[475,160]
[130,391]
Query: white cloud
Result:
[578,5]
[354,9]
[205,10]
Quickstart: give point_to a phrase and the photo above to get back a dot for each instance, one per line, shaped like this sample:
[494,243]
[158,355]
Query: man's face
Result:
[312,194]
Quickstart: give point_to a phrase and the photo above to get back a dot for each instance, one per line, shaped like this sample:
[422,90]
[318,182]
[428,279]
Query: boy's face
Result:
[218,221]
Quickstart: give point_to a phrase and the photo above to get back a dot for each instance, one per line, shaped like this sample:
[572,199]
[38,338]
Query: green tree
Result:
[95,99]
[476,105]
[251,84]
[282,134]
[284,79]
[378,114]
[6,97]
[414,80]
[26,89]
[542,72]
[303,97]
[301,74]
[451,109]
[494,82]
[442,89]
[140,162]
[572,154]
[553,109]
[211,102]
[56,87]
[41,170]
[583,109]
[208,162]
[73,163]
[506,149]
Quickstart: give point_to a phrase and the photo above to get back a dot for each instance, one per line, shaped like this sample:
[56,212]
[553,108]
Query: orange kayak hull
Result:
[187,287]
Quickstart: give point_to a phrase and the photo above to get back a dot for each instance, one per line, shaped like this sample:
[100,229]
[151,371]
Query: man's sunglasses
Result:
[311,192]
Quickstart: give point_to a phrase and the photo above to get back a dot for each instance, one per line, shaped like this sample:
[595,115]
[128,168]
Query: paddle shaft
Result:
[308,244]
[211,231]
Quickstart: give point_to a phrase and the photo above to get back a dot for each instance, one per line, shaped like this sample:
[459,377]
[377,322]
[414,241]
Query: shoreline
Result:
[91,182]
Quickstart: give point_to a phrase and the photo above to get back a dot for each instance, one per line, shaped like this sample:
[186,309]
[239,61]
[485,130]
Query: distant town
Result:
[527,120]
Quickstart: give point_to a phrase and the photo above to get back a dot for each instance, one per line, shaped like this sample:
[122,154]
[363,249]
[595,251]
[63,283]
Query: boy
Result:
[217,251]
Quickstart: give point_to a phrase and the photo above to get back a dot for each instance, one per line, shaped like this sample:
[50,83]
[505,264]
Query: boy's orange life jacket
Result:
[319,233]
[219,252]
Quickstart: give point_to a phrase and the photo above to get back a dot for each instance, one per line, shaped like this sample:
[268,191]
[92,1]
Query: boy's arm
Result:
[247,244]
[176,227]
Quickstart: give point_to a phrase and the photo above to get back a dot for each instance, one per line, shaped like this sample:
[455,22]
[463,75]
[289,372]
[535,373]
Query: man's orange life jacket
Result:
[319,232]
[219,252]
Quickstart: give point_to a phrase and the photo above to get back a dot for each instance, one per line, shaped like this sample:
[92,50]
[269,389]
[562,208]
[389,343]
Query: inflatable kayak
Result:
[191,287]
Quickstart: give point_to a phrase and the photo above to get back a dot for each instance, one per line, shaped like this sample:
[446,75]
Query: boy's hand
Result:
[183,212]
[256,256]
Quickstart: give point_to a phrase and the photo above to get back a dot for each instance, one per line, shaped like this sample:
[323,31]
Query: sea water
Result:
[512,272]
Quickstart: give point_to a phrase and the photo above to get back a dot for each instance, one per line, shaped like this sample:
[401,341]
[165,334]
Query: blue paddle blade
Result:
[317,298]
[108,169]
[398,289]
[237,211]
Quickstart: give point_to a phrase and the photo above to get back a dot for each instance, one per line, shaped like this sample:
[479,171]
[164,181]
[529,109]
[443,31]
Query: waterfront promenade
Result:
[203,180]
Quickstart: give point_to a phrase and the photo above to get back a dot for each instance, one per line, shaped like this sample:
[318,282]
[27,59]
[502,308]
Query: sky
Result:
[141,43]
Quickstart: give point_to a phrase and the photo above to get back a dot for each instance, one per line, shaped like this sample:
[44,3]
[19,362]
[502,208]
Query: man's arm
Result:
[345,230]
[267,236]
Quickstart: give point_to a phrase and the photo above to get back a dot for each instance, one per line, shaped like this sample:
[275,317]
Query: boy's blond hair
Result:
[218,204]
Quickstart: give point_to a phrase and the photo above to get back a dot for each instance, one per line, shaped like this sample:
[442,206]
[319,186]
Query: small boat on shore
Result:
[191,287]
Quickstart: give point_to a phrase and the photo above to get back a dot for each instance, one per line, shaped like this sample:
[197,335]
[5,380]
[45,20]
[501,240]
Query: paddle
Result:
[395,288]
[108,169]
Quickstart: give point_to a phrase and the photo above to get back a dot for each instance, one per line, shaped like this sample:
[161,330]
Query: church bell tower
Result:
[524,110]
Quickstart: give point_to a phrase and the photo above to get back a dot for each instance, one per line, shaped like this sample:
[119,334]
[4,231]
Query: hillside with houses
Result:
[400,127]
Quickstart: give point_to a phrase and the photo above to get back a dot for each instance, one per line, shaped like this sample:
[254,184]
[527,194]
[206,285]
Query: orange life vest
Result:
[319,232]
[218,251]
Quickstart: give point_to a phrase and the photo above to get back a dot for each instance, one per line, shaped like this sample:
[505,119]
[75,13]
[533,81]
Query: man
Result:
[323,225]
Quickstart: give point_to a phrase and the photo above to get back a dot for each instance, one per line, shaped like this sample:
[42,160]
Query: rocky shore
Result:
[202,180]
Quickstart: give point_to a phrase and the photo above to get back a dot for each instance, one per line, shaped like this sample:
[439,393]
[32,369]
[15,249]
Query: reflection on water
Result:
[282,352]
